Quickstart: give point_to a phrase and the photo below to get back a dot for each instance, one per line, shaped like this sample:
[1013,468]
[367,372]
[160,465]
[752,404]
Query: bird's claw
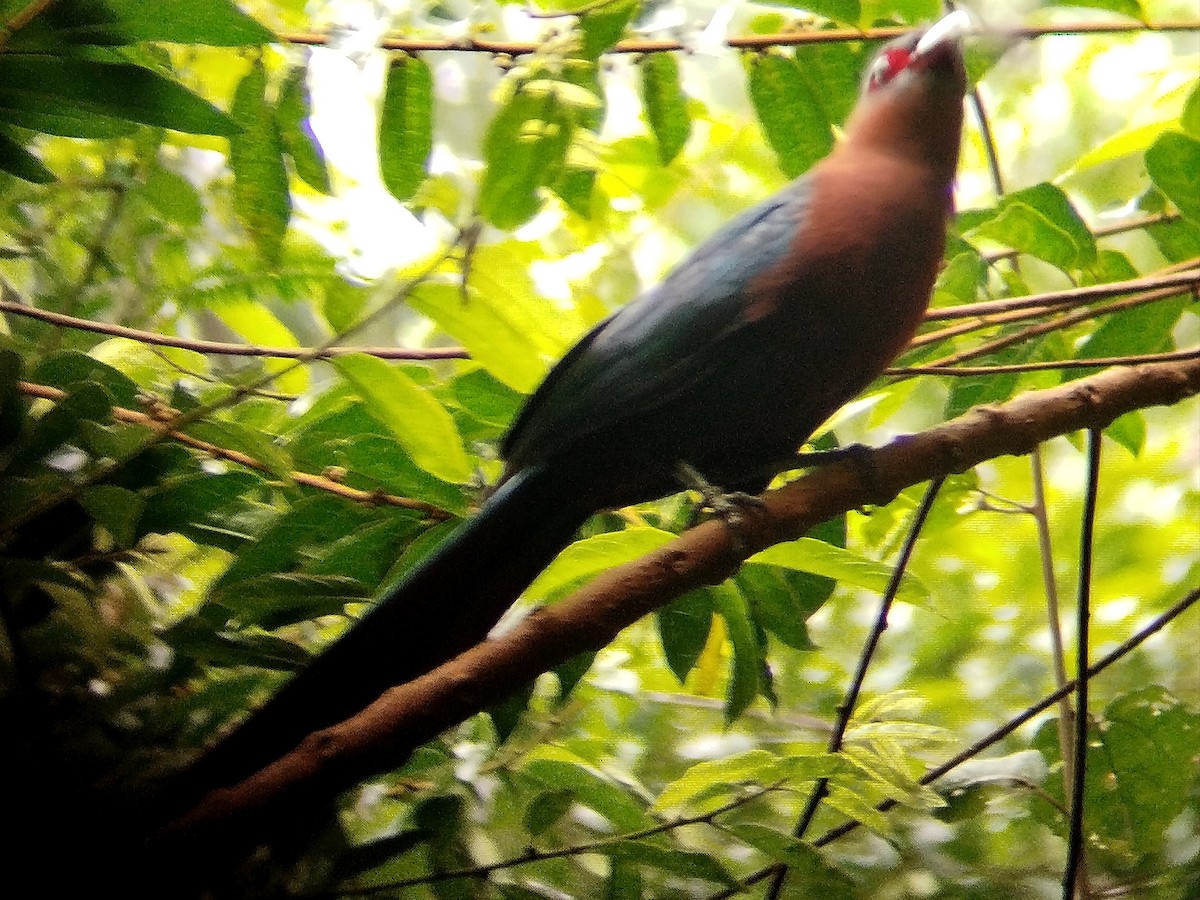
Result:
[728,506]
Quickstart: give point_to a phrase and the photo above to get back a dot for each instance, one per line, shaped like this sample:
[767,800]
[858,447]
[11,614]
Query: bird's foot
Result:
[728,506]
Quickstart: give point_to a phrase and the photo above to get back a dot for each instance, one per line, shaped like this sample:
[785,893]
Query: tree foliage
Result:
[243,389]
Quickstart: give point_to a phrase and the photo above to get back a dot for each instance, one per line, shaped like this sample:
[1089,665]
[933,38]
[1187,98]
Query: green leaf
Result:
[284,598]
[847,12]
[561,770]
[546,809]
[664,104]
[603,24]
[1127,332]
[217,23]
[69,368]
[292,112]
[1173,162]
[69,87]
[751,767]
[524,149]
[174,197]
[834,70]
[587,558]
[857,807]
[258,325]
[1189,119]
[1051,202]
[406,126]
[19,162]
[367,553]
[380,462]
[959,282]
[195,640]
[1134,139]
[820,558]
[1140,773]
[683,863]
[806,866]
[487,399]
[117,509]
[176,504]
[62,422]
[683,628]
[792,120]
[294,538]
[260,187]
[1026,230]
[422,425]
[1129,431]
[254,442]
[1130,8]
[747,653]
[483,326]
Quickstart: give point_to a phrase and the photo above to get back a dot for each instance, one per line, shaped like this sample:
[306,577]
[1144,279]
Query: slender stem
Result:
[1066,715]
[1072,886]
[1160,622]
[846,710]
[1049,365]
[219,348]
[749,41]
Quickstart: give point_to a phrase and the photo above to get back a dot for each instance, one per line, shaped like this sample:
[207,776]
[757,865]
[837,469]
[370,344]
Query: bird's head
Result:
[912,95]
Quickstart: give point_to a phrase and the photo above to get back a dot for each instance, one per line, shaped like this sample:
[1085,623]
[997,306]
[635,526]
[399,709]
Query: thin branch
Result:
[1099,362]
[167,428]
[1065,320]
[21,18]
[746,42]
[1068,297]
[1072,886]
[306,354]
[106,468]
[987,741]
[999,734]
[846,710]
[1103,231]
[476,872]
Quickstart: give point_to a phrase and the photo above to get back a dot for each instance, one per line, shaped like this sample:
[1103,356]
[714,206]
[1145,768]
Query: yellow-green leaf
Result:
[422,425]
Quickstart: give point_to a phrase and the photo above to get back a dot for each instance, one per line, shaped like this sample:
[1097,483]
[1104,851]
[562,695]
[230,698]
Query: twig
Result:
[1071,881]
[749,41]
[1099,362]
[533,856]
[227,349]
[985,742]
[821,788]
[167,428]
[1037,709]
[21,18]
[1068,297]
[1063,321]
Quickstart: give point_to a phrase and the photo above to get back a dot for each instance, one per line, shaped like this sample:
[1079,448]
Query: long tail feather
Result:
[448,603]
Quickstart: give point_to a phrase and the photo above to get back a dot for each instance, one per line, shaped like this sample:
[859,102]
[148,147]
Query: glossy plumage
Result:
[728,366]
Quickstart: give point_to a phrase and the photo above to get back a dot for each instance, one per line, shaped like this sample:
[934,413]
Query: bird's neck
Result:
[922,129]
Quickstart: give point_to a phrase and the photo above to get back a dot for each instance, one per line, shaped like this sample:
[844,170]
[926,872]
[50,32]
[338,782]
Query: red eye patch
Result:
[897,59]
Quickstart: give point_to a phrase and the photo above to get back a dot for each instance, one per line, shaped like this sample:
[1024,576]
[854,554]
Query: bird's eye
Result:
[886,66]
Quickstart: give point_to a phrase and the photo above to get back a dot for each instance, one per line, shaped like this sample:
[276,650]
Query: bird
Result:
[727,366]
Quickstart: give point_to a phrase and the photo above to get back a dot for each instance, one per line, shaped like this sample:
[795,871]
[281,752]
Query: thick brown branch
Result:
[384,734]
